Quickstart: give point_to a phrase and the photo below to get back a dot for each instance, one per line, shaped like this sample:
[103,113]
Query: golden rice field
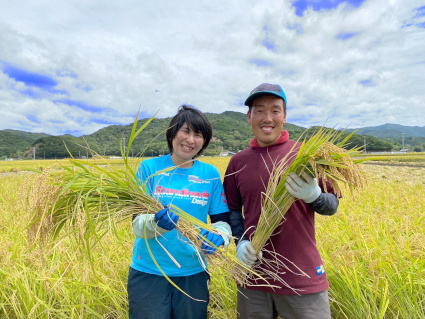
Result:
[373,251]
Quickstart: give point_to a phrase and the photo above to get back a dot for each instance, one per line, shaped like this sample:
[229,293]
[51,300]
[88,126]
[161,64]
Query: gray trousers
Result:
[254,304]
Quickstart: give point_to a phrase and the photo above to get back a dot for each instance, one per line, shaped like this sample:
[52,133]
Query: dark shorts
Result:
[154,297]
[253,304]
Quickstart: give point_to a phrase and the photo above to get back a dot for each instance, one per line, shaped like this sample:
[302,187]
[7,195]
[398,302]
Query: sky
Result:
[76,66]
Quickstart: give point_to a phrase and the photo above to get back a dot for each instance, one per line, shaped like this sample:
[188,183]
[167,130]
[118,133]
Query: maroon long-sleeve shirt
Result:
[246,177]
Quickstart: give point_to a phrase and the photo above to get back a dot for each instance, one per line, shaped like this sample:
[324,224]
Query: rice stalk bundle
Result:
[321,157]
[93,199]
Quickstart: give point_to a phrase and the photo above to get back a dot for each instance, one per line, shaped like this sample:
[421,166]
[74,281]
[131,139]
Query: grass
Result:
[413,158]
[38,281]
[372,248]
[20,166]
[374,253]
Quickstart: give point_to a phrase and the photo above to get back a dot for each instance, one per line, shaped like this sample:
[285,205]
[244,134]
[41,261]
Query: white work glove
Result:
[305,187]
[224,229]
[245,252]
[145,224]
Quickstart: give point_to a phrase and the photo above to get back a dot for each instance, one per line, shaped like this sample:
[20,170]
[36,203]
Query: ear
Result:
[248,115]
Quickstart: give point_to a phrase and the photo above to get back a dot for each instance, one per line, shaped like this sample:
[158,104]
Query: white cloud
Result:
[118,56]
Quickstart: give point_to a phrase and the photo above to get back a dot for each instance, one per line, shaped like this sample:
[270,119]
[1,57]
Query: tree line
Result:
[230,133]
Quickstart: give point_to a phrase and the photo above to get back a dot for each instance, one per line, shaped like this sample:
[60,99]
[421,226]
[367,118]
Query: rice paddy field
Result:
[373,251]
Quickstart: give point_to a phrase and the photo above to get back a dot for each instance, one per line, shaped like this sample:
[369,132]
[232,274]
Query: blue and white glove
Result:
[224,231]
[245,252]
[212,238]
[166,219]
[303,187]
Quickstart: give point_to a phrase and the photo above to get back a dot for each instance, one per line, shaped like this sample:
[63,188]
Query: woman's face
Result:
[186,144]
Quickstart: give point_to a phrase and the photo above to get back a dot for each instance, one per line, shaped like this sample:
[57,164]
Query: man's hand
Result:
[303,187]
[166,219]
[245,252]
[214,239]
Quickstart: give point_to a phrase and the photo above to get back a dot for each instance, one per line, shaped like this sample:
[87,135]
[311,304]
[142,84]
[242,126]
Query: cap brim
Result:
[252,97]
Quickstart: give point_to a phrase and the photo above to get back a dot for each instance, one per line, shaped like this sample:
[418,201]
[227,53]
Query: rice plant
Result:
[372,248]
[91,200]
[320,156]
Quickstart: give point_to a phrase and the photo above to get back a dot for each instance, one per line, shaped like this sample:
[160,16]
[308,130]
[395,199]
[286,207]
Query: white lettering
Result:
[199,201]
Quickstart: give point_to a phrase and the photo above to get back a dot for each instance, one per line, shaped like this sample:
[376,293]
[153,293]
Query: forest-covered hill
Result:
[231,132]
[410,137]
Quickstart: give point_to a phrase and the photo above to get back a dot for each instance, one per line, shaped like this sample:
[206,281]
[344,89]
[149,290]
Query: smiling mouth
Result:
[187,148]
[267,129]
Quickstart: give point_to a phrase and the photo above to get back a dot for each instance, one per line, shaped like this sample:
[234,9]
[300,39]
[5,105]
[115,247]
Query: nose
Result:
[267,117]
[190,137]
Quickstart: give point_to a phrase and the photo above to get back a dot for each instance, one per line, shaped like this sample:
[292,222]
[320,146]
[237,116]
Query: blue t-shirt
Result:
[196,190]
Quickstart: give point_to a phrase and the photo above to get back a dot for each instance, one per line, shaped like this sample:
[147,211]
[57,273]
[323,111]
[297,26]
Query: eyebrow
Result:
[262,105]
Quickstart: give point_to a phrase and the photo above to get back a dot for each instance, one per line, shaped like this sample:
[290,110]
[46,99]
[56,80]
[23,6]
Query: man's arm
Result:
[325,204]
[236,225]
[306,188]
[245,252]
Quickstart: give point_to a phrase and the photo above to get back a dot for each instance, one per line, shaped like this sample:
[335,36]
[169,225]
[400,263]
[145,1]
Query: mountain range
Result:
[392,130]
[230,133]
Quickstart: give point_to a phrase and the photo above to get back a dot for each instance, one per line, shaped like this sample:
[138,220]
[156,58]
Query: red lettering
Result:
[184,192]
[205,194]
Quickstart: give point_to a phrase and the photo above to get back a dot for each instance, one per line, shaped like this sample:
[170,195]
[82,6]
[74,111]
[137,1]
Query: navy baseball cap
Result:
[265,89]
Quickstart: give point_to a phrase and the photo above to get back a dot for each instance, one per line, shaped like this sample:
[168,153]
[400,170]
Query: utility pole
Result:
[402,139]
[364,144]
[33,150]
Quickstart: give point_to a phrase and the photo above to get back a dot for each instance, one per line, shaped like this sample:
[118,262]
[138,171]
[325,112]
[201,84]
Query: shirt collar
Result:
[284,137]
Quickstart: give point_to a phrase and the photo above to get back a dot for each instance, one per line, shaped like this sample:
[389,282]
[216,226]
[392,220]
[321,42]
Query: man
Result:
[246,178]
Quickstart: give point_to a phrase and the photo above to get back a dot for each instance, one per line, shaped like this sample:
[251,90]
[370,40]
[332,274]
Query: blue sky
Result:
[304,5]
[77,66]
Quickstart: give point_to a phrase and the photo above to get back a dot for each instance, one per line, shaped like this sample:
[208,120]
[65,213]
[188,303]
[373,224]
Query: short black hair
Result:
[195,119]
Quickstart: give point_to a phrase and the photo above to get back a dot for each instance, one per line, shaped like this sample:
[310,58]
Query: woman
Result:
[196,188]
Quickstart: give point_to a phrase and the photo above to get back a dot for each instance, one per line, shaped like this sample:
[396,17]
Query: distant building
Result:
[226,153]
[402,151]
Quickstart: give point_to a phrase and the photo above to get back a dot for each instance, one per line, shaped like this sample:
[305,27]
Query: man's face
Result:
[267,117]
